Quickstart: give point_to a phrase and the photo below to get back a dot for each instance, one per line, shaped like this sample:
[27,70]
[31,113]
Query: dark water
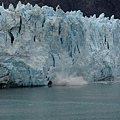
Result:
[88,102]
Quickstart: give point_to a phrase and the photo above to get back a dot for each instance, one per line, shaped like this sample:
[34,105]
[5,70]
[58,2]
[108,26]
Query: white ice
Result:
[37,44]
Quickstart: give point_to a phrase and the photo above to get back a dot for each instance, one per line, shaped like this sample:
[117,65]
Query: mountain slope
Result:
[88,7]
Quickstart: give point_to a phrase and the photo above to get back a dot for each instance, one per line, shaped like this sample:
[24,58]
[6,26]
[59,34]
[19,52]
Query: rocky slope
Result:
[88,7]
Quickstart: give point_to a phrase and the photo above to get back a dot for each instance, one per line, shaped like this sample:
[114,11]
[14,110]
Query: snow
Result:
[37,44]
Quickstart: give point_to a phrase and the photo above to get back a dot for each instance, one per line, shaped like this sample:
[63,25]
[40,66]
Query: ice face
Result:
[38,44]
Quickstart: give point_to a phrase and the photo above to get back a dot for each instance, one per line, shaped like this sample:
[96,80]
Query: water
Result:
[87,102]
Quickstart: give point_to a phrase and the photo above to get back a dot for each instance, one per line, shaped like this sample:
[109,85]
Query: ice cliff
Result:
[38,44]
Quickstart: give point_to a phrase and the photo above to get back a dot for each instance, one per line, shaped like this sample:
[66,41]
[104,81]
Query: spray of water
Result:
[65,80]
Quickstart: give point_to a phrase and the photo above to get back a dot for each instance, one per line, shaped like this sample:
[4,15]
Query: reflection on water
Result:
[87,102]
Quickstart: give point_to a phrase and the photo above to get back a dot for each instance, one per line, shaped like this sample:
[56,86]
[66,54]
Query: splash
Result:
[65,80]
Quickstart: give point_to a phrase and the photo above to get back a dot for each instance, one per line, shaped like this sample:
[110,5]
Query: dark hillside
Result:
[88,7]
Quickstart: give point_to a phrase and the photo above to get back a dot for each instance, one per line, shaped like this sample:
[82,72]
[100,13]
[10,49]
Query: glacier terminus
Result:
[38,44]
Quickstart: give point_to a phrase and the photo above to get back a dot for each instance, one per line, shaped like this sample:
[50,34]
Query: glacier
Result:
[38,44]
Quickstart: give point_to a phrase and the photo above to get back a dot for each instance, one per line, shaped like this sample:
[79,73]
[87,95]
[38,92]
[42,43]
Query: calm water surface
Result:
[88,102]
